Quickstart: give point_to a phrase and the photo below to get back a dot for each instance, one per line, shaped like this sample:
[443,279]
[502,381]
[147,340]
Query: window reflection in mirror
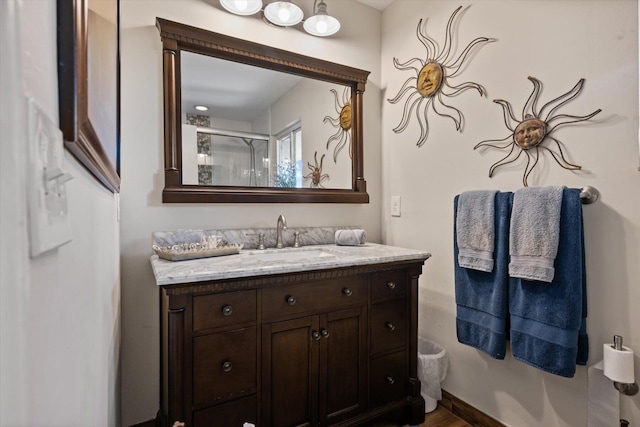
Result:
[261,128]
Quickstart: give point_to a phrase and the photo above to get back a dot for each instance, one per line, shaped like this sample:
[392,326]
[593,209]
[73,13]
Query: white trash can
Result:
[432,368]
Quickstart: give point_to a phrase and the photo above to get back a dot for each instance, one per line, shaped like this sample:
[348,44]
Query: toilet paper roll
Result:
[618,364]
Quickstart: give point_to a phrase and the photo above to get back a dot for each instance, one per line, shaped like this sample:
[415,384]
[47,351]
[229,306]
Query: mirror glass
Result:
[244,125]
[250,123]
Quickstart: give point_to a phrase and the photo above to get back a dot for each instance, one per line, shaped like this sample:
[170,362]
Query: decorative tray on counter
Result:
[209,246]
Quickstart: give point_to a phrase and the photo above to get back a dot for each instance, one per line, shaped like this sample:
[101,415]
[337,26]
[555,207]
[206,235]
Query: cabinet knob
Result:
[325,333]
[315,335]
[291,300]
[227,366]
[390,379]
[390,326]
[348,292]
[391,285]
[227,310]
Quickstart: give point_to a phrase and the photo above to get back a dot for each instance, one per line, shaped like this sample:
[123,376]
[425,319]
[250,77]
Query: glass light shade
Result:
[283,13]
[321,25]
[242,7]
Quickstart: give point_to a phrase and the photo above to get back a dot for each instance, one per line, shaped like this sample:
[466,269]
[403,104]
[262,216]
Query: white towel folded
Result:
[350,237]
[535,232]
[475,229]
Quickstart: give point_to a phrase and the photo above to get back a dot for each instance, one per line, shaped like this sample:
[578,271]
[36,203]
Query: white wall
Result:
[60,312]
[558,42]
[357,45]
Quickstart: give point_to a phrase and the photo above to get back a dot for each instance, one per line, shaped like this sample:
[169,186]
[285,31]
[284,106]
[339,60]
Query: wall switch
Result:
[395,205]
[49,225]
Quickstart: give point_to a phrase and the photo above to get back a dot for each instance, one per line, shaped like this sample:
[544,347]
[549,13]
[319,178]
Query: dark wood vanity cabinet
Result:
[321,348]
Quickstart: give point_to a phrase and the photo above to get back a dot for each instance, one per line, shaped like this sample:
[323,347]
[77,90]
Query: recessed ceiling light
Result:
[200,107]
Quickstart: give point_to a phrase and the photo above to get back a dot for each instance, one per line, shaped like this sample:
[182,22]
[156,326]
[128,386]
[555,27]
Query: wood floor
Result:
[440,417]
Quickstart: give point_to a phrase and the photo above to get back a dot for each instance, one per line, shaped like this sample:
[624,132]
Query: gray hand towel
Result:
[475,225]
[534,232]
[350,237]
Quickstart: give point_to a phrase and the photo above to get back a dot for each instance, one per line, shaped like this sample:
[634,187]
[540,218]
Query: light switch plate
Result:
[49,224]
[395,205]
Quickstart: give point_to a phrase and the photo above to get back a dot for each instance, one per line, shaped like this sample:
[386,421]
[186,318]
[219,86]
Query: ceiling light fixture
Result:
[242,7]
[283,13]
[201,107]
[321,24]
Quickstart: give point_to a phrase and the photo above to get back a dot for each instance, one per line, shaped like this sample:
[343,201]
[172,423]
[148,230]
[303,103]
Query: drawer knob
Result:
[290,299]
[348,292]
[390,326]
[391,285]
[325,333]
[227,366]
[227,310]
[315,335]
[390,379]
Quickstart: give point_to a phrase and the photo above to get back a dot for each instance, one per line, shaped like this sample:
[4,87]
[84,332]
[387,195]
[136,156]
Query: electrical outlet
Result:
[395,205]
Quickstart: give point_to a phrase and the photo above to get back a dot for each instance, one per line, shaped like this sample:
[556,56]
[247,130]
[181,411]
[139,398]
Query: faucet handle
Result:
[260,239]
[296,238]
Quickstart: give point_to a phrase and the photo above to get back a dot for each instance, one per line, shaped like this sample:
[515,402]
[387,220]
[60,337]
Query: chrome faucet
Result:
[282,225]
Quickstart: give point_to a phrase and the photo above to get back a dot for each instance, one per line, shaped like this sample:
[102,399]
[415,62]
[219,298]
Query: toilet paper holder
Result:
[628,389]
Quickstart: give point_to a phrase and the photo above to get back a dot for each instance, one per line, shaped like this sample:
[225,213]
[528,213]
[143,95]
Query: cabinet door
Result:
[343,364]
[290,373]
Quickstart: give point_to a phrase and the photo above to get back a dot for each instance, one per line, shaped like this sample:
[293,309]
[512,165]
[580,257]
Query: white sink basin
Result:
[283,255]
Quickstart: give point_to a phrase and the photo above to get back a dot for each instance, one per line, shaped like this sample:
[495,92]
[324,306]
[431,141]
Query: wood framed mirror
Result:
[88,85]
[194,64]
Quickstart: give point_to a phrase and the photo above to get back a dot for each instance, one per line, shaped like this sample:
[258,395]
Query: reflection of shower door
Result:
[234,159]
[289,152]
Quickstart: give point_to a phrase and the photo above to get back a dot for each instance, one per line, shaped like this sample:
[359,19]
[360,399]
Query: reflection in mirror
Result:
[250,126]
[251,123]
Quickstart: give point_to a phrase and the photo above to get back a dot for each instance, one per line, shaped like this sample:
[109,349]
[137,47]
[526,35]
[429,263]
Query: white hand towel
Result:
[535,232]
[475,229]
[350,237]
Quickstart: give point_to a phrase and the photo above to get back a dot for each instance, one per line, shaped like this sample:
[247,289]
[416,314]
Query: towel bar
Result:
[589,195]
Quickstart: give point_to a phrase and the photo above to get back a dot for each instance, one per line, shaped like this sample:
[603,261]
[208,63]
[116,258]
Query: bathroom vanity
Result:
[316,336]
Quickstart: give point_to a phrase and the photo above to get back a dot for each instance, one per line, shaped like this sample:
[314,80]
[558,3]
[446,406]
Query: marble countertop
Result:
[276,261]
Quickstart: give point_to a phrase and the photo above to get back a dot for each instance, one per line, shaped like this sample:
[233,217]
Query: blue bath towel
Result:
[481,297]
[548,320]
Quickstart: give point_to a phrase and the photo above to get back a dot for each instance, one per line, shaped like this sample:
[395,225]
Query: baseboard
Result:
[466,412]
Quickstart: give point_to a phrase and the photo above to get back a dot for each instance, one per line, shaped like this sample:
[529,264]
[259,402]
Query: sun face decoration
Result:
[316,176]
[431,85]
[529,134]
[342,122]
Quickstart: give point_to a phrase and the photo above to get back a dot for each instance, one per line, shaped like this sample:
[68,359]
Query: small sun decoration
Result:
[342,122]
[528,134]
[431,83]
[316,176]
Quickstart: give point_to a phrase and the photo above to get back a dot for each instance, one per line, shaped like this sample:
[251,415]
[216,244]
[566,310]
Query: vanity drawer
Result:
[388,378]
[388,325]
[224,365]
[284,301]
[222,310]
[234,413]
[388,284]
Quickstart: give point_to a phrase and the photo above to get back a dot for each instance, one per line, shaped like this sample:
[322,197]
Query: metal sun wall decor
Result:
[316,176]
[431,83]
[527,135]
[342,122]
